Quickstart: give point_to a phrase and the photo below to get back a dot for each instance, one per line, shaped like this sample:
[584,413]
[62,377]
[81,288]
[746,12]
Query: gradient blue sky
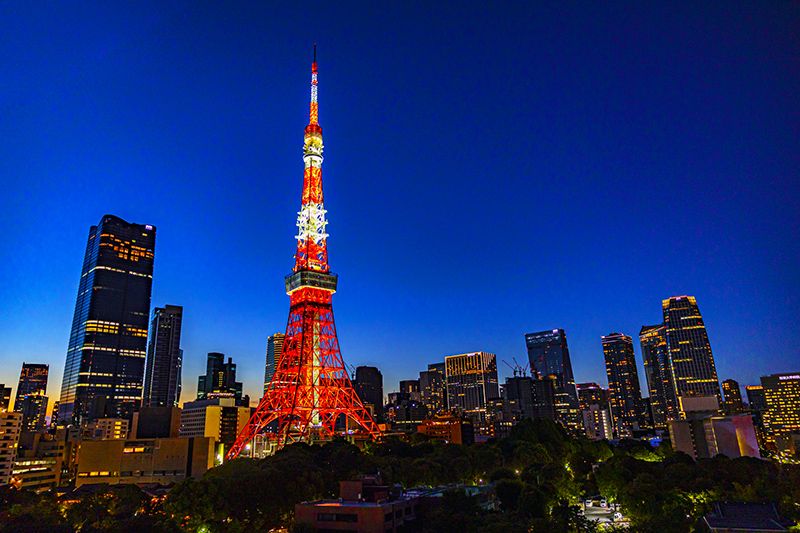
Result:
[489,171]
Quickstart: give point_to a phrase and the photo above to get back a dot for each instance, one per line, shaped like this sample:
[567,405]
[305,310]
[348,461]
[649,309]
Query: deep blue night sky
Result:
[488,172]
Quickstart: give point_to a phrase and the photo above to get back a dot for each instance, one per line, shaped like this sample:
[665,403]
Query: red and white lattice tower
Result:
[310,397]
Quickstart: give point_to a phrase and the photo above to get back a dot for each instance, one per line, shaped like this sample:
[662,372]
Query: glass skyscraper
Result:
[691,362]
[663,403]
[162,382]
[548,355]
[104,370]
[624,394]
[274,351]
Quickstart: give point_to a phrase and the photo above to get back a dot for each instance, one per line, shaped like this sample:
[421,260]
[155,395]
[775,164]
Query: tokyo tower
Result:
[310,397]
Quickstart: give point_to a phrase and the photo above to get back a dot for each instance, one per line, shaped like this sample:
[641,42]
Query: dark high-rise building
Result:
[548,355]
[625,396]
[34,410]
[757,403]
[162,383]
[693,370]
[31,398]
[32,380]
[5,397]
[411,386]
[432,388]
[369,387]
[518,398]
[732,403]
[274,351]
[219,380]
[544,398]
[663,403]
[104,370]
[471,380]
[755,398]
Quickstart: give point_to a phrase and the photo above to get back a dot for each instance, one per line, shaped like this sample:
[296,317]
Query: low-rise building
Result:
[741,517]
[731,436]
[364,506]
[161,461]
[107,428]
[449,428]
[37,474]
[219,418]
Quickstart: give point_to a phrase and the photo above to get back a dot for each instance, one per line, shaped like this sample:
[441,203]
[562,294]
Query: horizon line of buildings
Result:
[122,379]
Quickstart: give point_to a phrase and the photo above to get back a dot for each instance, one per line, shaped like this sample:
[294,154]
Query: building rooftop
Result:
[746,517]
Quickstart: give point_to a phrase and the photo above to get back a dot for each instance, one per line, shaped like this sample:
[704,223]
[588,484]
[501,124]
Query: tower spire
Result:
[313,118]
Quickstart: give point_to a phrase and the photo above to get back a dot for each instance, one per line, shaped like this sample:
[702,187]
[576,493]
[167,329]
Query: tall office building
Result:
[782,416]
[162,382]
[5,397]
[732,402]
[624,394]
[369,387]
[471,380]
[219,380]
[32,398]
[663,403]
[548,355]
[691,362]
[432,388]
[104,370]
[32,380]
[274,351]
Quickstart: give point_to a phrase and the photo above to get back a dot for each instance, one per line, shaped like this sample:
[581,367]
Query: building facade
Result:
[220,418]
[624,394]
[161,461]
[706,437]
[10,428]
[274,351]
[471,379]
[104,370]
[692,366]
[782,415]
[162,383]
[548,355]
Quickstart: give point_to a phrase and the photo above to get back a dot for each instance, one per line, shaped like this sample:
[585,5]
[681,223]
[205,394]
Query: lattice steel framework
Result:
[310,397]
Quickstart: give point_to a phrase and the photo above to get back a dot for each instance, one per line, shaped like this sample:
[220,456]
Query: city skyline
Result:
[419,311]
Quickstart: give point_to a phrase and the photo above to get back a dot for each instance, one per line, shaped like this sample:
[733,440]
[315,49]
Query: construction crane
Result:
[518,370]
